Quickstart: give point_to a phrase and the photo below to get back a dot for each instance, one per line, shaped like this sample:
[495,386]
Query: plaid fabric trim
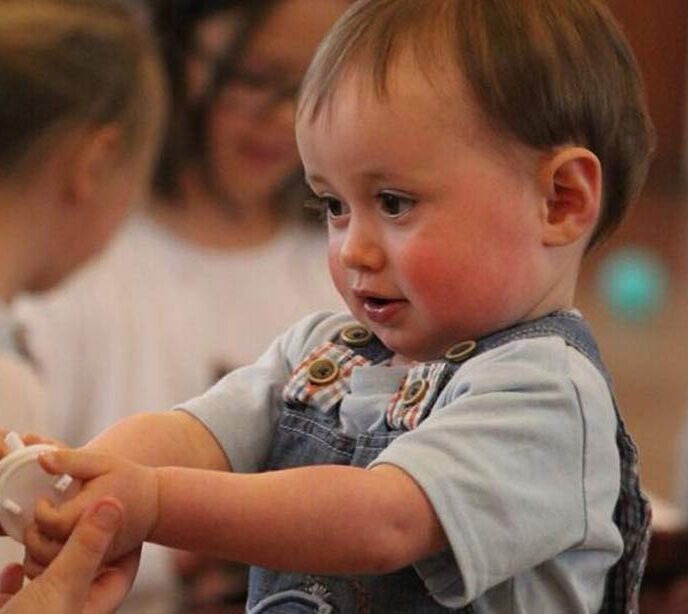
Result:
[302,390]
[430,377]
[633,516]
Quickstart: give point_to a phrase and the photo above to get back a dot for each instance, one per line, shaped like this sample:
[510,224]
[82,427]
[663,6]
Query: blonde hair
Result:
[66,63]
[545,72]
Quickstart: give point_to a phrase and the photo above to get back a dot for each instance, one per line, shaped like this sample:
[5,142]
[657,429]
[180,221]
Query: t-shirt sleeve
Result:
[242,409]
[501,459]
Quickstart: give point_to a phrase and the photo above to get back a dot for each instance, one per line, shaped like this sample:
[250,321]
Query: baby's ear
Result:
[572,180]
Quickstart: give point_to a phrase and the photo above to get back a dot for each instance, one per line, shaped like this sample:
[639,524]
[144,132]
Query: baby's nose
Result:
[361,248]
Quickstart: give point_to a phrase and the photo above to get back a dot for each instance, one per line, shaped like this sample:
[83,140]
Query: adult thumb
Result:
[78,563]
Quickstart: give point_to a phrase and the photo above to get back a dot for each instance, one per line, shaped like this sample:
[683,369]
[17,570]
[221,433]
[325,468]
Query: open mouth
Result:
[382,310]
[377,302]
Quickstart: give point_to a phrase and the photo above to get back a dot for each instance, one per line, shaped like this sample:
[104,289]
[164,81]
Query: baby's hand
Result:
[136,486]
[29,440]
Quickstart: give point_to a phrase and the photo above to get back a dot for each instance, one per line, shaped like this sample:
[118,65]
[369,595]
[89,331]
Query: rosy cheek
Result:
[425,273]
[440,283]
[336,269]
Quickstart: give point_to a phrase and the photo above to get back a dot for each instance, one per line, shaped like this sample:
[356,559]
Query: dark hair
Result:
[65,63]
[546,72]
[176,22]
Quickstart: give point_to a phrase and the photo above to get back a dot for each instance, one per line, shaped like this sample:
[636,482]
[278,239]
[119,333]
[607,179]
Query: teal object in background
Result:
[634,283]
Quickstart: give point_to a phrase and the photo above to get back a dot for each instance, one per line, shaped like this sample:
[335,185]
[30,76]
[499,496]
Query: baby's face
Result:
[434,223]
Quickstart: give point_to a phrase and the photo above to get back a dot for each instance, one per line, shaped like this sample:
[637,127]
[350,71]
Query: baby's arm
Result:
[161,439]
[368,521]
[323,519]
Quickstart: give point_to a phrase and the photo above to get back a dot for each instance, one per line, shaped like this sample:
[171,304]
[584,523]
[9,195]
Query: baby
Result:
[452,444]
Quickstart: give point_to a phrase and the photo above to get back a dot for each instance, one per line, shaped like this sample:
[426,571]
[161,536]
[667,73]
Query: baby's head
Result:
[546,73]
[527,117]
[81,105]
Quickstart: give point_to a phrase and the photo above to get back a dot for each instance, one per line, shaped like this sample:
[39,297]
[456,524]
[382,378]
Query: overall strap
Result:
[362,342]
[632,514]
[569,326]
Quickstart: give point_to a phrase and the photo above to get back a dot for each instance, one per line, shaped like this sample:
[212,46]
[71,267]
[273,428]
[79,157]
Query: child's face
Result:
[433,221]
[251,125]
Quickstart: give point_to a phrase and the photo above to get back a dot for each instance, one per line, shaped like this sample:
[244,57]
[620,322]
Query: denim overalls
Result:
[309,434]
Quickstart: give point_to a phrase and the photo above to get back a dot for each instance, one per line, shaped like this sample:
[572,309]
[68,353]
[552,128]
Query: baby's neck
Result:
[398,360]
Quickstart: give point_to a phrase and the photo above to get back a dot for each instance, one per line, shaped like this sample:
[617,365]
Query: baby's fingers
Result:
[31,439]
[40,547]
[4,448]
[79,464]
[32,568]
[57,523]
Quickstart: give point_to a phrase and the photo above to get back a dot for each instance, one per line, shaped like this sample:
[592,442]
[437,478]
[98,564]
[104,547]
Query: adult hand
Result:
[134,485]
[75,582]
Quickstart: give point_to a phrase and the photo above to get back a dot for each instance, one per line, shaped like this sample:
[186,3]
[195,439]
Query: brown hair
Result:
[67,63]
[177,22]
[546,72]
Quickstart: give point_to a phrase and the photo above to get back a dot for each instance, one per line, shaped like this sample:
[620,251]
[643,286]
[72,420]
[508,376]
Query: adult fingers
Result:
[111,587]
[65,586]
[11,580]
[91,539]
[39,546]
[78,563]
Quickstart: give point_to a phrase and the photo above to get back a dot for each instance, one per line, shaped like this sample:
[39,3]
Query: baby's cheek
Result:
[337,272]
[334,265]
[432,279]
[467,286]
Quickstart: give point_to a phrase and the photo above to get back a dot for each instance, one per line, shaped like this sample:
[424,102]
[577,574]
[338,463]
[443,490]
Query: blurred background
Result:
[634,289]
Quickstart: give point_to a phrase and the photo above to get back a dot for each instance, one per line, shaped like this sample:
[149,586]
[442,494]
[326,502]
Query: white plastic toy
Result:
[23,482]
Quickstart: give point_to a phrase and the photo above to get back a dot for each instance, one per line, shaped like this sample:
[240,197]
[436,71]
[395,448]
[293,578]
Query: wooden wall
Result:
[657,31]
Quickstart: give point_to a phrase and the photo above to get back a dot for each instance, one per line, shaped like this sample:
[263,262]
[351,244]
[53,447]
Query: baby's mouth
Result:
[379,308]
[382,310]
[377,302]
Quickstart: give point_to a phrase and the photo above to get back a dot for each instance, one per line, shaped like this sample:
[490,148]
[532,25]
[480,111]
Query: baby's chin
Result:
[408,353]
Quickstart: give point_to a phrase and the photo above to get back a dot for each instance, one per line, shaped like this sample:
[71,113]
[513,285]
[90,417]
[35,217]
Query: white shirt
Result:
[156,320]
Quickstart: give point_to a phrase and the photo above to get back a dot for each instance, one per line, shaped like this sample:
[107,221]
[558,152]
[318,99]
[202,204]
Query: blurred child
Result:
[453,443]
[223,235]
[219,240]
[77,148]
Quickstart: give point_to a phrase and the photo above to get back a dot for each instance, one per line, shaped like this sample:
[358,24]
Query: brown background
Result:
[649,358]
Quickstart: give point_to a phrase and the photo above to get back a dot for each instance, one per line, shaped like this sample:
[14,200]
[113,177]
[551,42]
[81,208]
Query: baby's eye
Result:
[330,206]
[395,205]
[335,208]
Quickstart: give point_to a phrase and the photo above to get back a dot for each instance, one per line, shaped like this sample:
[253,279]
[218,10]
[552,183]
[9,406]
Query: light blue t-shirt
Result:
[518,458]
